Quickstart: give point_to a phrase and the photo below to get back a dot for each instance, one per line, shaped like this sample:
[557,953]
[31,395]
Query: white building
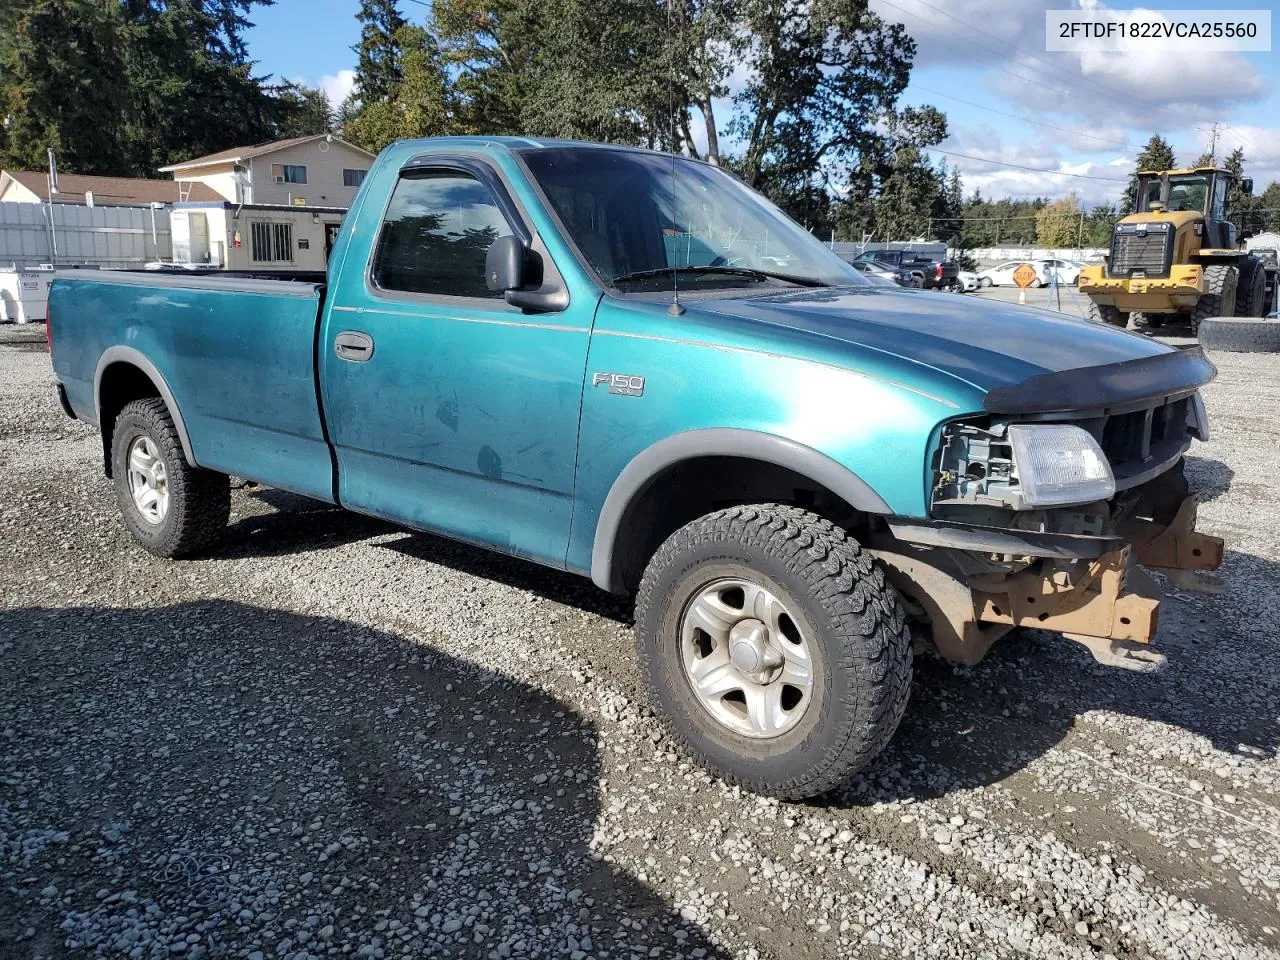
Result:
[320,170]
[283,237]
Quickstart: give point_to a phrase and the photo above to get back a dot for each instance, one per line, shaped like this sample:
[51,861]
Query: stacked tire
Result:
[1239,326]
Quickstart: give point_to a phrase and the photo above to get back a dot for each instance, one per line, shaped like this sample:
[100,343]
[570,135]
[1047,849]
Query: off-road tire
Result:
[1108,314]
[1240,334]
[1220,299]
[199,500]
[861,645]
[1251,293]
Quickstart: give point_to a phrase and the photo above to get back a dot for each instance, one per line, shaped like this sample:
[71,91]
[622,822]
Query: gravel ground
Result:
[333,737]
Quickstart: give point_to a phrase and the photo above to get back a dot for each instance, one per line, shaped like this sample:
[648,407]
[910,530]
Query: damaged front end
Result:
[1043,517]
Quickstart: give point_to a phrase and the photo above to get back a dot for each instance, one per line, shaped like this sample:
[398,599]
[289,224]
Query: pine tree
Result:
[380,63]
[1156,155]
[62,89]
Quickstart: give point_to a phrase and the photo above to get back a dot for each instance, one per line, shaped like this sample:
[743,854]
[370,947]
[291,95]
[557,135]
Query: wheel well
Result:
[121,384]
[695,487]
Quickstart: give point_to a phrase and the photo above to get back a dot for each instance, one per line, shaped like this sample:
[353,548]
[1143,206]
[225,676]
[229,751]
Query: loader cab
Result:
[1200,190]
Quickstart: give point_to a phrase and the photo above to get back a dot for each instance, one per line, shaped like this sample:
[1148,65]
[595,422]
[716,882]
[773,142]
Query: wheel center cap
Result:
[752,652]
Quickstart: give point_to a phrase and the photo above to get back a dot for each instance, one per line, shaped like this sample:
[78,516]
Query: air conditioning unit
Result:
[278,179]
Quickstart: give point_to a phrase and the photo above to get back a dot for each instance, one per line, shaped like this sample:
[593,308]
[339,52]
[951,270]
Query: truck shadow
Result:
[274,776]
[969,727]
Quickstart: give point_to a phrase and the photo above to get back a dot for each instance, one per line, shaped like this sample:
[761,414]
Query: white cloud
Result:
[337,86]
[1006,38]
[989,173]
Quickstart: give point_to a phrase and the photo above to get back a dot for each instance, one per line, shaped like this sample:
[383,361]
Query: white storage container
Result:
[24,293]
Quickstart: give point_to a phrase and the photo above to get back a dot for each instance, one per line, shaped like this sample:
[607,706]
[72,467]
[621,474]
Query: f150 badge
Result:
[621,384]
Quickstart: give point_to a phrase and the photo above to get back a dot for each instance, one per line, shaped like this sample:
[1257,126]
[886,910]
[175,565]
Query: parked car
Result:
[1002,274]
[879,273]
[1068,271]
[511,350]
[917,271]
[968,281]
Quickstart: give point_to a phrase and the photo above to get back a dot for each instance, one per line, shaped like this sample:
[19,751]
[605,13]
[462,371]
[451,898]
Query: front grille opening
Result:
[1144,253]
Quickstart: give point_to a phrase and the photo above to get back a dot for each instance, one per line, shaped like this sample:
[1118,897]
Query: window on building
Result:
[437,231]
[353,178]
[289,172]
[270,241]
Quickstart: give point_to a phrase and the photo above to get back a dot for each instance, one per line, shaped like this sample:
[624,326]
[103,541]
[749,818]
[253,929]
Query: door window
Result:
[1219,208]
[437,230]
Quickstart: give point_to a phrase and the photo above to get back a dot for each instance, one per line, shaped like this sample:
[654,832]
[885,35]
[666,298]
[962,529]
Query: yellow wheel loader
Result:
[1178,256]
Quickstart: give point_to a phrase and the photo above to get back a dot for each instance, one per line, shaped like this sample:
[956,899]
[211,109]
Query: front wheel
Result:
[773,648]
[985,282]
[170,507]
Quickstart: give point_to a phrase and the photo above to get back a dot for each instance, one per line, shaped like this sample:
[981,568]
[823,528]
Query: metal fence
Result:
[65,233]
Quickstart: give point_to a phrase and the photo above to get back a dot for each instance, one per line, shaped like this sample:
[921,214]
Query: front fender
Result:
[651,462]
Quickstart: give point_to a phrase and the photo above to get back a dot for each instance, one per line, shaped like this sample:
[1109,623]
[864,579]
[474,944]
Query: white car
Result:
[1002,275]
[968,281]
[1068,271]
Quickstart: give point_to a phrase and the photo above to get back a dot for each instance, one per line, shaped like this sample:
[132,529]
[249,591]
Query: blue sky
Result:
[1092,112]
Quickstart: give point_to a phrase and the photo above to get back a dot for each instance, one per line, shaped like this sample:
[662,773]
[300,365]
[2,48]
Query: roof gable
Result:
[239,154]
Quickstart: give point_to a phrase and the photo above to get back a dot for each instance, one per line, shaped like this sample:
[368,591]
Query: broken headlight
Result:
[1021,466]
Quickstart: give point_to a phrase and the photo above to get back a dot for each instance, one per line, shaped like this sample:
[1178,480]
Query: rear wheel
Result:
[1251,297]
[1220,300]
[170,507]
[773,648]
[1106,313]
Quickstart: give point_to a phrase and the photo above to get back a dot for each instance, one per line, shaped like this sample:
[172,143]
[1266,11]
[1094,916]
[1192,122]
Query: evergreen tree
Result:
[308,111]
[62,89]
[1156,155]
[380,55]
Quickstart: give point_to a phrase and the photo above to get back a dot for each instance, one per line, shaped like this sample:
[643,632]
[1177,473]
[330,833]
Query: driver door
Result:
[449,409]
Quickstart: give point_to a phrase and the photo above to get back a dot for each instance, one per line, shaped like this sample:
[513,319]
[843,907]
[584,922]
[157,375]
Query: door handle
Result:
[353,345]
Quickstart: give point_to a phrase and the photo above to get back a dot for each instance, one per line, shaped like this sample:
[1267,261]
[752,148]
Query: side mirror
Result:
[504,264]
[517,273]
[1246,186]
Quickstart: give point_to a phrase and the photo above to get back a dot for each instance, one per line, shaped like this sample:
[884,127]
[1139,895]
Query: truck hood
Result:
[985,343]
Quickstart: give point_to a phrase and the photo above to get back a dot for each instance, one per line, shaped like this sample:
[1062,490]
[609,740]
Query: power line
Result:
[1014,116]
[1018,166]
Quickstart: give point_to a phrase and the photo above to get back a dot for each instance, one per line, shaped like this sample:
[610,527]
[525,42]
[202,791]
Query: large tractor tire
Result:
[1220,300]
[1240,335]
[1106,313]
[1251,295]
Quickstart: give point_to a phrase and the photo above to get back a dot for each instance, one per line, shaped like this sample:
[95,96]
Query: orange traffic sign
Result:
[1025,275]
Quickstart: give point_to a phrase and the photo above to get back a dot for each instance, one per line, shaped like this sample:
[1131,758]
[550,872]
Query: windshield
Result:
[1186,192]
[620,209]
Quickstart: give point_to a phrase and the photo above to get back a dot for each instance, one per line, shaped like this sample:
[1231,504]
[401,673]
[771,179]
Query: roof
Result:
[238,154]
[110,191]
[1184,170]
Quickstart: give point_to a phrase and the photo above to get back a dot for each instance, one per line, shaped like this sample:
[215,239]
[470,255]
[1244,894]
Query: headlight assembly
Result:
[1059,464]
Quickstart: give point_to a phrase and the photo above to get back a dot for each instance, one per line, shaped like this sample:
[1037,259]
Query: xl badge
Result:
[622,384]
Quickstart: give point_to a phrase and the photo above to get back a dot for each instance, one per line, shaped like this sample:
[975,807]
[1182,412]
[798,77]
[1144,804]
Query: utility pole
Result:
[1213,141]
[1079,236]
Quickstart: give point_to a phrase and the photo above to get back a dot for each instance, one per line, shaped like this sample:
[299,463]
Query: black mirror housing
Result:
[504,264]
[1246,186]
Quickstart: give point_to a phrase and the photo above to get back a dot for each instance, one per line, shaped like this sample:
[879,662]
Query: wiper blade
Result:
[729,271]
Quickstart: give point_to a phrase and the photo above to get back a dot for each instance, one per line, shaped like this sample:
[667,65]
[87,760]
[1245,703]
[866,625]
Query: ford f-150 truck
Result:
[633,367]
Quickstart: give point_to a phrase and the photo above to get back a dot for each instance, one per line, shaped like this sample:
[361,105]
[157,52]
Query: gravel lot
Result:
[334,737]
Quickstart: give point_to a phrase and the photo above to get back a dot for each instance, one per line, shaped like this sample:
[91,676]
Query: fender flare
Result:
[649,463]
[133,357]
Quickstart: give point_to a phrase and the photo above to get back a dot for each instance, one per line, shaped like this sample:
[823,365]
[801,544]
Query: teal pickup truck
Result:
[631,366]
